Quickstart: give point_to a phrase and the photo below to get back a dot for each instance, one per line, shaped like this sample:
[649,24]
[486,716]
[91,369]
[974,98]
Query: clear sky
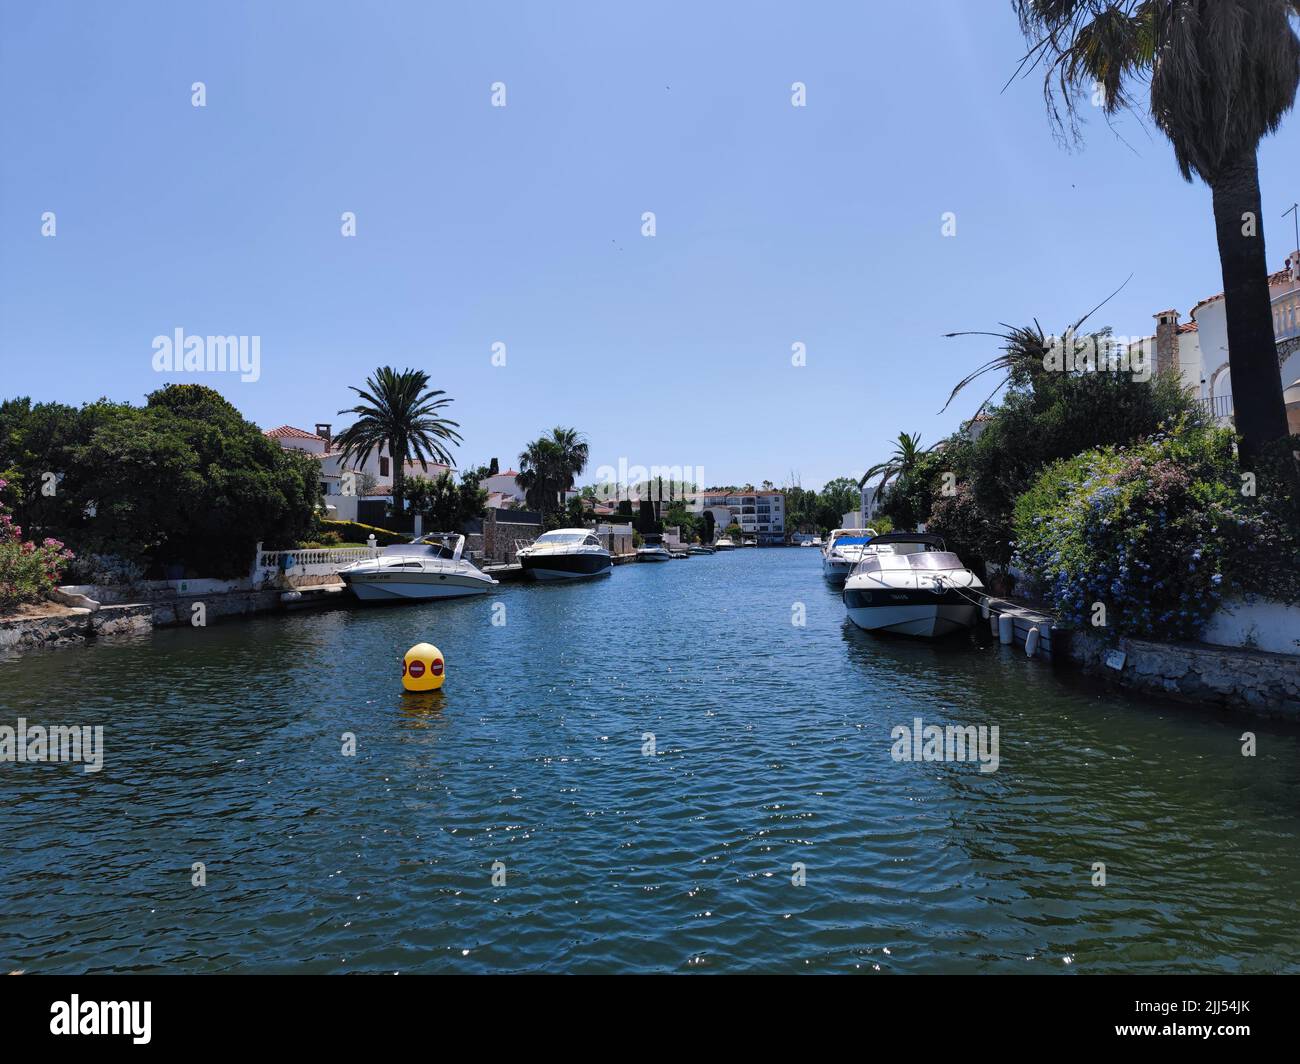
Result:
[476,224]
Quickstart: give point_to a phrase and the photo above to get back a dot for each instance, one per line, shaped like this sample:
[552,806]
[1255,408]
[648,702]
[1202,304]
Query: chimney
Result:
[323,431]
[1293,264]
[1167,341]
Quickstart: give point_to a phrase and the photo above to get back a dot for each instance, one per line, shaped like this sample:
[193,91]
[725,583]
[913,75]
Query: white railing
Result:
[314,557]
[1286,315]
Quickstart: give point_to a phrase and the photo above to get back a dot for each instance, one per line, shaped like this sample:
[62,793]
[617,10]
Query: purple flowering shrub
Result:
[1158,533]
[27,570]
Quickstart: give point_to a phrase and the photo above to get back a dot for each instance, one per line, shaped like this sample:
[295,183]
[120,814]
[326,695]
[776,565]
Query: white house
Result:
[1198,349]
[347,482]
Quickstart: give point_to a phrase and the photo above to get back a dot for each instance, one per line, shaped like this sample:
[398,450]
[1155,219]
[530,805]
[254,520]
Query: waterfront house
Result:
[1198,349]
[364,496]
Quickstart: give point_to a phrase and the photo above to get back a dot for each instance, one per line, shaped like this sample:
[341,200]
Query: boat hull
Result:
[836,571]
[654,557]
[416,587]
[906,612]
[566,566]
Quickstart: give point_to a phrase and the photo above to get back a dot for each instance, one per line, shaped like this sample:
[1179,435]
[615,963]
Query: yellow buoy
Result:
[423,668]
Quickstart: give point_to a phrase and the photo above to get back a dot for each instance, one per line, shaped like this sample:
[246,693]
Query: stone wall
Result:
[75,625]
[1255,681]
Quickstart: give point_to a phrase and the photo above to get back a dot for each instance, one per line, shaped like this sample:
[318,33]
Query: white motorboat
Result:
[566,554]
[910,584]
[725,543]
[699,548]
[653,552]
[843,551]
[427,568]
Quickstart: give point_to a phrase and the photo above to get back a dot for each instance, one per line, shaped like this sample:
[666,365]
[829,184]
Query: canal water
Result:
[630,775]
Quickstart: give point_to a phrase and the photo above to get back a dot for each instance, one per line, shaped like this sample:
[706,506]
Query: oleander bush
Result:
[28,571]
[1157,533]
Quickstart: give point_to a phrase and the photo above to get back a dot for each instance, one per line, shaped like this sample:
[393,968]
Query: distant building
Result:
[760,514]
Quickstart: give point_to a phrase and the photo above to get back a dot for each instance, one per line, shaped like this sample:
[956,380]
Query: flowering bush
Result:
[1157,533]
[27,570]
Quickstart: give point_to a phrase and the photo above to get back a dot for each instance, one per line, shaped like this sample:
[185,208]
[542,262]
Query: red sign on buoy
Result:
[437,666]
[417,669]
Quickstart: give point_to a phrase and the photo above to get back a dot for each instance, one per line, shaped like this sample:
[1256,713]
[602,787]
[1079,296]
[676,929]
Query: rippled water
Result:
[223,745]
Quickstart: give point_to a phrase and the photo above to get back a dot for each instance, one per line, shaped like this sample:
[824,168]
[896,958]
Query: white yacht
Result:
[426,568]
[910,584]
[566,554]
[725,543]
[843,551]
[653,550]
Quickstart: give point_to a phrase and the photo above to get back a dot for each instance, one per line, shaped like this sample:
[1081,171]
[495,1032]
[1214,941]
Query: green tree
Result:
[401,412]
[1221,74]
[548,467]
[187,481]
[907,452]
[445,504]
[837,498]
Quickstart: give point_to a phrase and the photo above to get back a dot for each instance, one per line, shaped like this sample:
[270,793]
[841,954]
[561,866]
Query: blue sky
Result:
[522,224]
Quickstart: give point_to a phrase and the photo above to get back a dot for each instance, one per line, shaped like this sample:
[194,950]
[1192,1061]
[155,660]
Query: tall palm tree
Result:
[401,411]
[907,452]
[1222,73]
[548,466]
[537,464]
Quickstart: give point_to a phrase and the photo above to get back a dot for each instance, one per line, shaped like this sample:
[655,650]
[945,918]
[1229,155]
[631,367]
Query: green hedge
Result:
[356,532]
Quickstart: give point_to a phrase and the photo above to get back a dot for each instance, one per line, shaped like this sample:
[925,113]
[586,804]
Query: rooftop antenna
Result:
[1295,209]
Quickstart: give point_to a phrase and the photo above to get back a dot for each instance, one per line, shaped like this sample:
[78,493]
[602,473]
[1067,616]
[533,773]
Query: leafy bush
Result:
[356,532]
[1159,533]
[444,504]
[1060,416]
[28,571]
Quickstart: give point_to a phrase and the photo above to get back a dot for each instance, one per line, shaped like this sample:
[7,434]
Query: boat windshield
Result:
[852,541]
[930,559]
[418,550]
[553,538]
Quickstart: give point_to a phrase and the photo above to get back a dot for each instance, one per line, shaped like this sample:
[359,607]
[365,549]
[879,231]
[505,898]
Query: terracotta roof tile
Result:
[1274,280]
[288,432]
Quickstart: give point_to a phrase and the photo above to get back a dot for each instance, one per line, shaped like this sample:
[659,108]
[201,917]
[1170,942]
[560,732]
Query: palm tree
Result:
[907,452]
[1222,73]
[537,463]
[400,412]
[548,466]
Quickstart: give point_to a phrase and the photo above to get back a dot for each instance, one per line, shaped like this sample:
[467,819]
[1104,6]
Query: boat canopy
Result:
[562,535]
[928,538]
[928,559]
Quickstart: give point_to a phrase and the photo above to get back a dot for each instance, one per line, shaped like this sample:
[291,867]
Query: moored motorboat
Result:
[910,584]
[653,552]
[725,543]
[699,548]
[843,551]
[427,568]
[566,554]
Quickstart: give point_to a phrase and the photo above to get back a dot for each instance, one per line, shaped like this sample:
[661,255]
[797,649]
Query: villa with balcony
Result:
[760,514]
[354,490]
[1198,348]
